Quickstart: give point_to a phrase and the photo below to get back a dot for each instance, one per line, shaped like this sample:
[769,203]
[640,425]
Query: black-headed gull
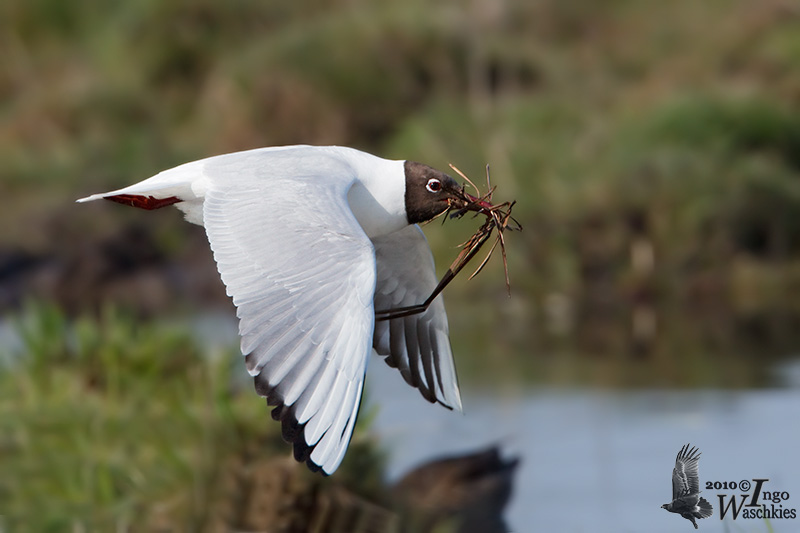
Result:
[310,242]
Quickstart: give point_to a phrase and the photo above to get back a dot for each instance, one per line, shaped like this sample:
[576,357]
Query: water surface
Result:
[601,461]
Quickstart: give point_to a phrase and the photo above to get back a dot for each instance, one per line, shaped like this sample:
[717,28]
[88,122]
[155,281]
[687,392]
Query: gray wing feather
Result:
[417,345]
[685,475]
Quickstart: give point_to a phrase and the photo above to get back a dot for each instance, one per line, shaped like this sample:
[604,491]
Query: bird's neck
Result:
[377,198]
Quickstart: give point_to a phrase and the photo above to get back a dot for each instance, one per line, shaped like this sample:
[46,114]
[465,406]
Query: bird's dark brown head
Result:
[430,192]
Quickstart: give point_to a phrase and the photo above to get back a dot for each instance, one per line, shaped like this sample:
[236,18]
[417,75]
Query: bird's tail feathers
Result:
[184,186]
[706,509]
[180,183]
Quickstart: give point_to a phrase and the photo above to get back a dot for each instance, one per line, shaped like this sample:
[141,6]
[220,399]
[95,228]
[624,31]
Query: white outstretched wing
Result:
[418,345]
[301,273]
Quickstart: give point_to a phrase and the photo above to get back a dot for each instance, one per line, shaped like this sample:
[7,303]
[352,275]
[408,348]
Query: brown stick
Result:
[498,217]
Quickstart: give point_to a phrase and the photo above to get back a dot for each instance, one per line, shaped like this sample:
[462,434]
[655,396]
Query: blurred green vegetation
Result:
[113,423]
[681,115]
[652,146]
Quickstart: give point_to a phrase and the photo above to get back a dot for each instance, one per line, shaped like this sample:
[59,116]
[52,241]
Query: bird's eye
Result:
[434,185]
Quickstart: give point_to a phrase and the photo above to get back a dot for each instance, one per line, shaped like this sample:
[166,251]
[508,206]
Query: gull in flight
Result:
[311,242]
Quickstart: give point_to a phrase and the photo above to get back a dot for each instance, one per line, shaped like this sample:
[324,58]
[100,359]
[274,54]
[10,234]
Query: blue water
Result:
[599,461]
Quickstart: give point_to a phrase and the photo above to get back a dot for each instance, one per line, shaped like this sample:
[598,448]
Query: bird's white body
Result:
[310,242]
[376,198]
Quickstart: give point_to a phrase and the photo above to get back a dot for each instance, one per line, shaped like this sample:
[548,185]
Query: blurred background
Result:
[653,149]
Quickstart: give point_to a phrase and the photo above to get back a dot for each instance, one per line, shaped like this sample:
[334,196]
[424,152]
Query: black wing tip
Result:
[294,433]
[414,380]
[446,406]
[688,453]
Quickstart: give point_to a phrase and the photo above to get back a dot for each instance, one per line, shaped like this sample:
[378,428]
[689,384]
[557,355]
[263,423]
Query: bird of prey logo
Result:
[686,499]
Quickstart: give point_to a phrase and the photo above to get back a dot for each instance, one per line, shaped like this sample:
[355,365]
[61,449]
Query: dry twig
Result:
[498,217]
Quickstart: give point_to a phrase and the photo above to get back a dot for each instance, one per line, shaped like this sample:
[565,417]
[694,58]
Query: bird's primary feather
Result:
[685,476]
[418,345]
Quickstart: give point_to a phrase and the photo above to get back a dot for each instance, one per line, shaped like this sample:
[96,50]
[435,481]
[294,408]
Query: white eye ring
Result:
[433,185]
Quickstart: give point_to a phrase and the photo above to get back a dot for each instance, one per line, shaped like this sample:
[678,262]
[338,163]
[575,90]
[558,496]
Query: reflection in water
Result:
[599,461]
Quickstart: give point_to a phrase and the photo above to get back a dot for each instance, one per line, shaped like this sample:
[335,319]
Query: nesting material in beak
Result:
[497,217]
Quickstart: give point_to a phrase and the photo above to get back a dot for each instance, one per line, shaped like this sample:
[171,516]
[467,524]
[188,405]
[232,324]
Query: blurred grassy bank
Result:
[652,147]
[117,424]
[676,123]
